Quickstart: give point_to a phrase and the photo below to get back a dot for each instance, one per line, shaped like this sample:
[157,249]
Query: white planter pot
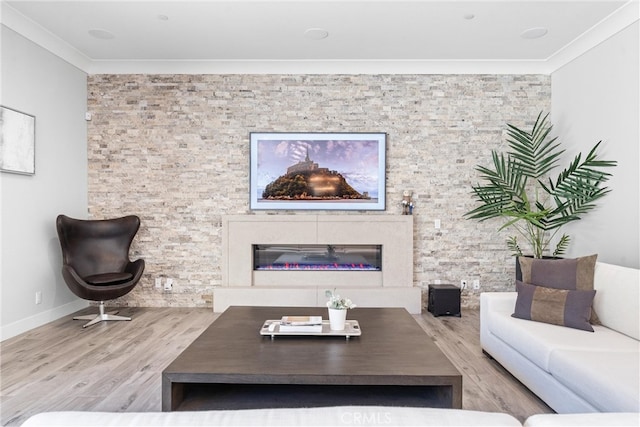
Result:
[337,319]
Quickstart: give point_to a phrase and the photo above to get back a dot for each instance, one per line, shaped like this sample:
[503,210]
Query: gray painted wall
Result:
[597,97]
[41,84]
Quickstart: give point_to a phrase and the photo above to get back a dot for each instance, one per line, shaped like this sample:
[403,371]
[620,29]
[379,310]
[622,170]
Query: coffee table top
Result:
[392,350]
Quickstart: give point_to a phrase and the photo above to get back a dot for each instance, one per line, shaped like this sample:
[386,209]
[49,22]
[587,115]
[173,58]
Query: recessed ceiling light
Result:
[101,34]
[468,16]
[534,33]
[163,17]
[316,33]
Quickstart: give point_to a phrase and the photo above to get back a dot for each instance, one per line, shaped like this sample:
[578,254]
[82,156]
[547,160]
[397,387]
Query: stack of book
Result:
[301,324]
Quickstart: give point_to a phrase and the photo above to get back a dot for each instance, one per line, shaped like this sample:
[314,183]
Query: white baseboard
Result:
[24,325]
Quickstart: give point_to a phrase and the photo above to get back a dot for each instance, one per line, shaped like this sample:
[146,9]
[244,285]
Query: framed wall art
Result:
[335,171]
[17,142]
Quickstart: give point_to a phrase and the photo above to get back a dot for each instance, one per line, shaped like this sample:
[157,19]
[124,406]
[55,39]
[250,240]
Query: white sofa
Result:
[331,416]
[281,417]
[602,419]
[573,371]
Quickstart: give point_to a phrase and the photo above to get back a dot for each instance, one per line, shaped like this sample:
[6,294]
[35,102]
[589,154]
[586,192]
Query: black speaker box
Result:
[444,300]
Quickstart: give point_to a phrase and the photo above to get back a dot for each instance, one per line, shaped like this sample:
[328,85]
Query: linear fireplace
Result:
[290,260]
[317,257]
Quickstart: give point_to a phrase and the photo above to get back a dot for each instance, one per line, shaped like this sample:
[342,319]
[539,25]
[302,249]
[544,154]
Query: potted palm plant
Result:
[517,188]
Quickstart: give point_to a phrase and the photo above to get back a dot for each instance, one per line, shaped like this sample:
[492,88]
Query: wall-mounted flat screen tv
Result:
[333,171]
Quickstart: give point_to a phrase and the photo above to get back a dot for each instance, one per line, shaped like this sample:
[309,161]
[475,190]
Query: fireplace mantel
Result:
[392,286]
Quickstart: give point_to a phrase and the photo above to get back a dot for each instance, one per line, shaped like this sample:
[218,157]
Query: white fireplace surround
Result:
[390,287]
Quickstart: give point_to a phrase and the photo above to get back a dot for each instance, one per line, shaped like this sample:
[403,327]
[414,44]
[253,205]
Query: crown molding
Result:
[611,25]
[319,67]
[14,20]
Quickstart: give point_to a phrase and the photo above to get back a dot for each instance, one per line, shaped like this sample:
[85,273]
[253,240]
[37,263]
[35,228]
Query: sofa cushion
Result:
[571,274]
[556,306]
[617,299]
[109,278]
[536,340]
[609,380]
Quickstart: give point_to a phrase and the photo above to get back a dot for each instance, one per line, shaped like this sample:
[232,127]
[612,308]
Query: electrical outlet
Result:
[463,284]
[158,282]
[437,282]
[168,285]
[38,297]
[436,224]
[476,284]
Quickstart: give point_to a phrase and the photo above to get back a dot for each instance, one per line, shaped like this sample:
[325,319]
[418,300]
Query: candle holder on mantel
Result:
[407,203]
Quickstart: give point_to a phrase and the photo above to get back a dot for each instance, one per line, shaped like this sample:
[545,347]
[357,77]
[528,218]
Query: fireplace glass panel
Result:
[317,257]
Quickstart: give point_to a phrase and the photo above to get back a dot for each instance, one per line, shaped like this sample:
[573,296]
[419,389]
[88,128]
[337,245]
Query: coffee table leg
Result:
[457,394]
[172,394]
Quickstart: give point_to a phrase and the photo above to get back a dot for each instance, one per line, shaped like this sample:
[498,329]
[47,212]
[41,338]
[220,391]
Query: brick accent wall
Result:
[174,149]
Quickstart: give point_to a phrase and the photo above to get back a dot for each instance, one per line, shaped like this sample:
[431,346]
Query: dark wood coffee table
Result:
[231,366]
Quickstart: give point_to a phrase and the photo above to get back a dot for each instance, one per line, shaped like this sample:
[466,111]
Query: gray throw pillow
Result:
[555,306]
[571,274]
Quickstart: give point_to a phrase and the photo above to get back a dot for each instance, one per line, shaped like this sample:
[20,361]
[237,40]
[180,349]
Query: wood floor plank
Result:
[117,366]
[486,385]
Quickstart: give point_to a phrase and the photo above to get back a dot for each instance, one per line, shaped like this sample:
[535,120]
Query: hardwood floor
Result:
[116,366]
[487,386]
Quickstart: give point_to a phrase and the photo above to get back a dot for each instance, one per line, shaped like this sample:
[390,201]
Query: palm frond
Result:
[535,155]
[514,247]
[577,188]
[503,191]
[562,246]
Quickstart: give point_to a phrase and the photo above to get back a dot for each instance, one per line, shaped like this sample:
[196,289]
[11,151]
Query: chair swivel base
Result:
[102,316]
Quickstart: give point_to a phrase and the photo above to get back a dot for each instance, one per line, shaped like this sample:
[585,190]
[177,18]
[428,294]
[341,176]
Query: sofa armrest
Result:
[492,302]
[498,301]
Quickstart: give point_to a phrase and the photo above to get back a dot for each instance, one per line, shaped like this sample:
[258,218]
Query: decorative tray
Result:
[351,329]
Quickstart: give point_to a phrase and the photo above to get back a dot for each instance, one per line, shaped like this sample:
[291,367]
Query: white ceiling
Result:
[363,36]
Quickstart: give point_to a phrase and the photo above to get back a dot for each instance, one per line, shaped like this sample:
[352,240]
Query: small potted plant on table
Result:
[338,307]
